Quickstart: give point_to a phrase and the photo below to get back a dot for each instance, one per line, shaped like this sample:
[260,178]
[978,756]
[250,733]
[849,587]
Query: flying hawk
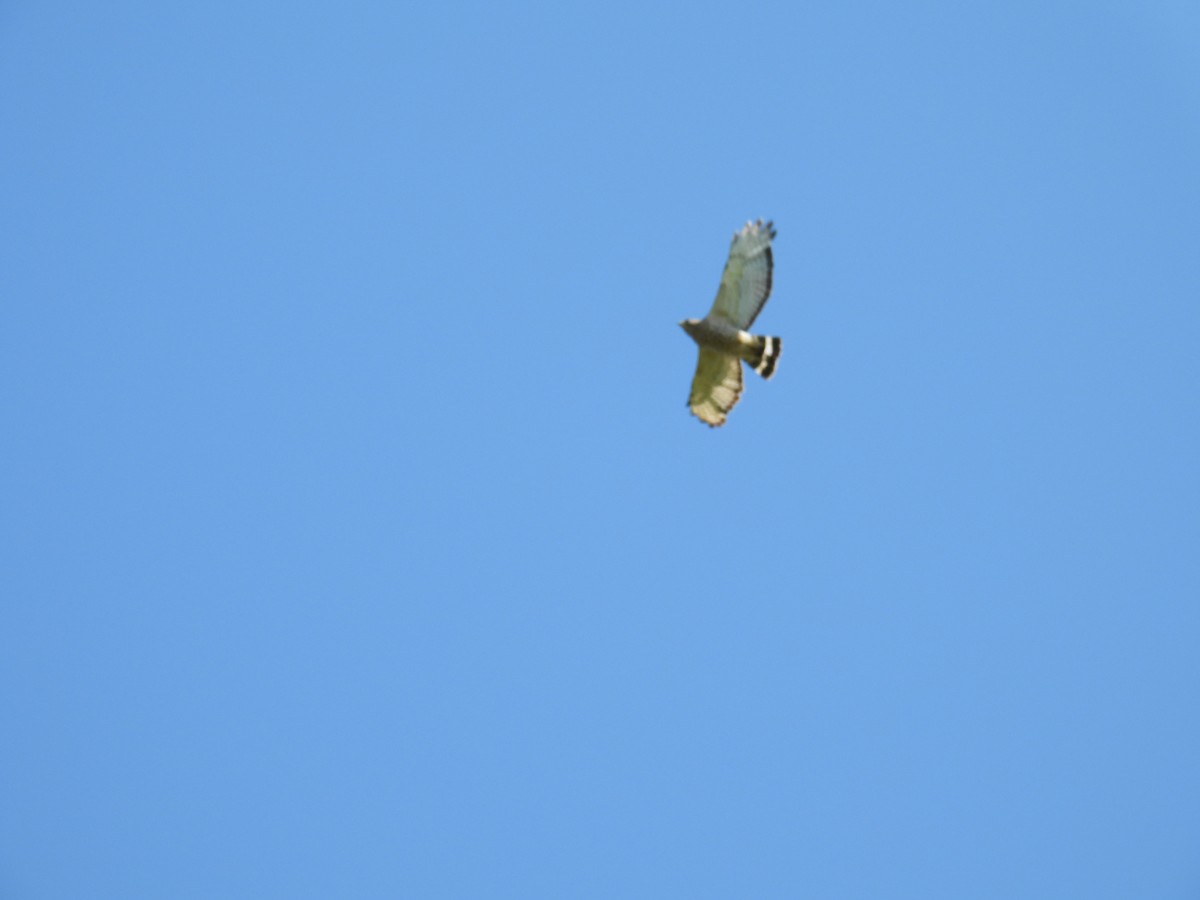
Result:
[722,336]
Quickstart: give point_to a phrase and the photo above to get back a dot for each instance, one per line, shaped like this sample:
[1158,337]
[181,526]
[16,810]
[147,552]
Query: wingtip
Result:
[757,226]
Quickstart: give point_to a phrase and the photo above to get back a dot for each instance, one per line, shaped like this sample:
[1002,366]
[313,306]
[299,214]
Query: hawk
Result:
[722,336]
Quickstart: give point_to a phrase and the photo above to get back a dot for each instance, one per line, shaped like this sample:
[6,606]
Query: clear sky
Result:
[357,541]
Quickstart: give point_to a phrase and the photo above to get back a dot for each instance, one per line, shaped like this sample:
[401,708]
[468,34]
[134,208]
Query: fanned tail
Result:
[763,355]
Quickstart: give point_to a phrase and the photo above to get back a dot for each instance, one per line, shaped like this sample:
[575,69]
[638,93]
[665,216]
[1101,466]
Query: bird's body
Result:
[722,336]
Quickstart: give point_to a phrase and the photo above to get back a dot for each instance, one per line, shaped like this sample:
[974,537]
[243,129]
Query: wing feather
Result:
[716,387]
[746,281]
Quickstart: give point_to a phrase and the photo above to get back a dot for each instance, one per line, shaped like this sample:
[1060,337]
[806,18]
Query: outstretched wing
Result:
[746,281]
[717,386]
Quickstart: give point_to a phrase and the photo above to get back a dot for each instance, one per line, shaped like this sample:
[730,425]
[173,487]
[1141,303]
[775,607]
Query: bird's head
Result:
[690,326]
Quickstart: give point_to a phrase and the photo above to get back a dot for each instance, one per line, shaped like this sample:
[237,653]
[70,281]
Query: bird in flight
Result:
[722,334]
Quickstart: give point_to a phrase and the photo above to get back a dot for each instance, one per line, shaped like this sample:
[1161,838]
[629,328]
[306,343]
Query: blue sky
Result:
[357,540]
